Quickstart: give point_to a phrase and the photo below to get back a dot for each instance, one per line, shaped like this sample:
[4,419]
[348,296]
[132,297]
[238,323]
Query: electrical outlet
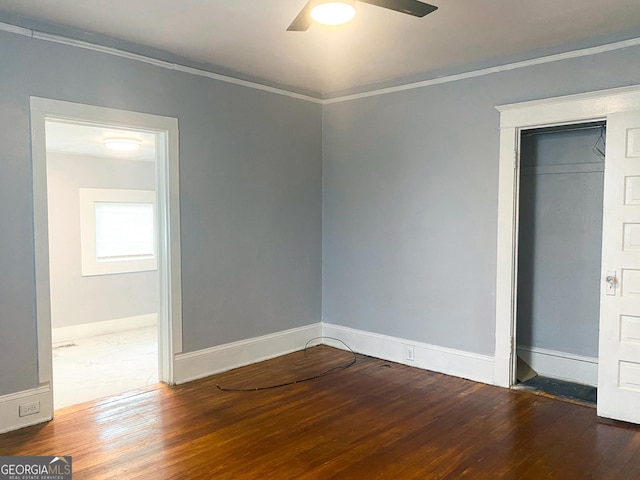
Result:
[29,409]
[409,353]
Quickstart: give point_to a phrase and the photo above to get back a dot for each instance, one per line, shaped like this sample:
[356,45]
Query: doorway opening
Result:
[102,259]
[560,201]
[145,203]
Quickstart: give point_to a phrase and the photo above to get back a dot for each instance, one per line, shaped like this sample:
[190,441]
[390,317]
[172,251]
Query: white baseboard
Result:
[561,365]
[10,418]
[202,363]
[458,363]
[74,332]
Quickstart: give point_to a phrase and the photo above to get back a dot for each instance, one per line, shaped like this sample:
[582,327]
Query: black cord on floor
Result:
[293,382]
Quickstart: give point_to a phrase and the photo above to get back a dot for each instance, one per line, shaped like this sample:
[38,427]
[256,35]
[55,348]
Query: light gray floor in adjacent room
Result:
[96,367]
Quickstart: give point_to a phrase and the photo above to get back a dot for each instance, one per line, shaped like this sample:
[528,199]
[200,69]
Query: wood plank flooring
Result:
[374,420]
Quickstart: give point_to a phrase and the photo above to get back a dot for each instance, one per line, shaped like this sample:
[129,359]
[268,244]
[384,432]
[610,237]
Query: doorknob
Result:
[611,282]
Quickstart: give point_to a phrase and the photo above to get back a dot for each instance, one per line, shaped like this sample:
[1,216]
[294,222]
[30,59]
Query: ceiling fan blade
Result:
[303,21]
[410,7]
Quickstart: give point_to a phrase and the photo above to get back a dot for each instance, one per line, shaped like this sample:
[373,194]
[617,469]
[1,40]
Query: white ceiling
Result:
[87,140]
[250,37]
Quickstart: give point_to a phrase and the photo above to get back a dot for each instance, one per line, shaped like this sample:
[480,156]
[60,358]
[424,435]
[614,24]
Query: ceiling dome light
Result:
[333,12]
[122,144]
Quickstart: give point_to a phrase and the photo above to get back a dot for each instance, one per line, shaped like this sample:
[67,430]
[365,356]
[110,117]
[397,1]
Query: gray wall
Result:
[250,180]
[409,211]
[411,194]
[560,242]
[76,299]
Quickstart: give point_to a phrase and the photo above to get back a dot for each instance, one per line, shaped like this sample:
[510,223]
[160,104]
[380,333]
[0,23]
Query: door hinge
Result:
[515,159]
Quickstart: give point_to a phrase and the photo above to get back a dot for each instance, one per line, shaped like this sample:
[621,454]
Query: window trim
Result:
[90,266]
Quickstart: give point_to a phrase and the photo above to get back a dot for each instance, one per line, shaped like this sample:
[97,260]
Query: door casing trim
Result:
[168,212]
[514,118]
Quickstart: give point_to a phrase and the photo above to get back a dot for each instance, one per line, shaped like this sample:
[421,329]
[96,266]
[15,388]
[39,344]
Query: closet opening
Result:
[559,251]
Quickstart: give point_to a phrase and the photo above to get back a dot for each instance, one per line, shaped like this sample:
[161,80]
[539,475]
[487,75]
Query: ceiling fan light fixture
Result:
[122,144]
[333,12]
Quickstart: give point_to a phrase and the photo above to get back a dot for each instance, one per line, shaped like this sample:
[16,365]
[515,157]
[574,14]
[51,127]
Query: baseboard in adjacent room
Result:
[458,363]
[561,365]
[85,330]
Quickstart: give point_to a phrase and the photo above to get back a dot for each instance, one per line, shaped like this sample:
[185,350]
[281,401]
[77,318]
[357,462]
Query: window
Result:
[124,231]
[117,231]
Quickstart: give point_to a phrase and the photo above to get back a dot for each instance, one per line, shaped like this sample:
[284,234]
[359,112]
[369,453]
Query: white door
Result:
[619,367]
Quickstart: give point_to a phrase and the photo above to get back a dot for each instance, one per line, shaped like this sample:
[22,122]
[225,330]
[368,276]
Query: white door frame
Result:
[514,118]
[168,211]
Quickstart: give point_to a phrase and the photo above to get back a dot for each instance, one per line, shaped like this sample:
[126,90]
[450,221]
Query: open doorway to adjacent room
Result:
[101,183]
[107,249]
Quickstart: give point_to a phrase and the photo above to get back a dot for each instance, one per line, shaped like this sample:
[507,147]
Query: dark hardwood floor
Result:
[373,420]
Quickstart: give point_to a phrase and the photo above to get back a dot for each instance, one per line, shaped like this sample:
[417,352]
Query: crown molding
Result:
[583,52]
[47,37]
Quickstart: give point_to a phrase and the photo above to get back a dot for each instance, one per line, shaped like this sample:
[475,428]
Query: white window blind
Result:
[124,231]
[117,231]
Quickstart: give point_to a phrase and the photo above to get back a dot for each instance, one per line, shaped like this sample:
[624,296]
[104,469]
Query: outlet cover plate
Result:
[29,409]
[409,352]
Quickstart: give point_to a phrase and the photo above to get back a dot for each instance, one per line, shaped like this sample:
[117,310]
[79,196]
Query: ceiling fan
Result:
[335,12]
